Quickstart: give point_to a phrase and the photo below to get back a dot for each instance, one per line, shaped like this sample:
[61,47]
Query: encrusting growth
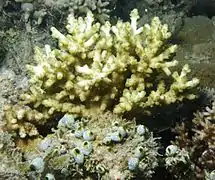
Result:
[100,67]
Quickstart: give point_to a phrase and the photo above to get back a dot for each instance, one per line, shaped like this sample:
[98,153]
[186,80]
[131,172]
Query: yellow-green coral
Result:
[98,67]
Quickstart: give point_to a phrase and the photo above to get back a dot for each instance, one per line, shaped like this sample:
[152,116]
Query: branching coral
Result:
[100,8]
[99,67]
[40,9]
[199,141]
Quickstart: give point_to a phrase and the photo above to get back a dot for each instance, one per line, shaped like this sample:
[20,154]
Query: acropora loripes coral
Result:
[97,68]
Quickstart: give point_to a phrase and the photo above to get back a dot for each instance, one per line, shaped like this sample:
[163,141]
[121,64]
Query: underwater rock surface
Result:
[109,146]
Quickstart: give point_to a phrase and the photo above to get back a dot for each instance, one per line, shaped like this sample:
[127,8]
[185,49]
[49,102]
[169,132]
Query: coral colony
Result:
[97,68]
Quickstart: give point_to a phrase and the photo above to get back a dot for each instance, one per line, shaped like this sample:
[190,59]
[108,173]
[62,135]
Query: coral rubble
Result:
[11,158]
[106,147]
